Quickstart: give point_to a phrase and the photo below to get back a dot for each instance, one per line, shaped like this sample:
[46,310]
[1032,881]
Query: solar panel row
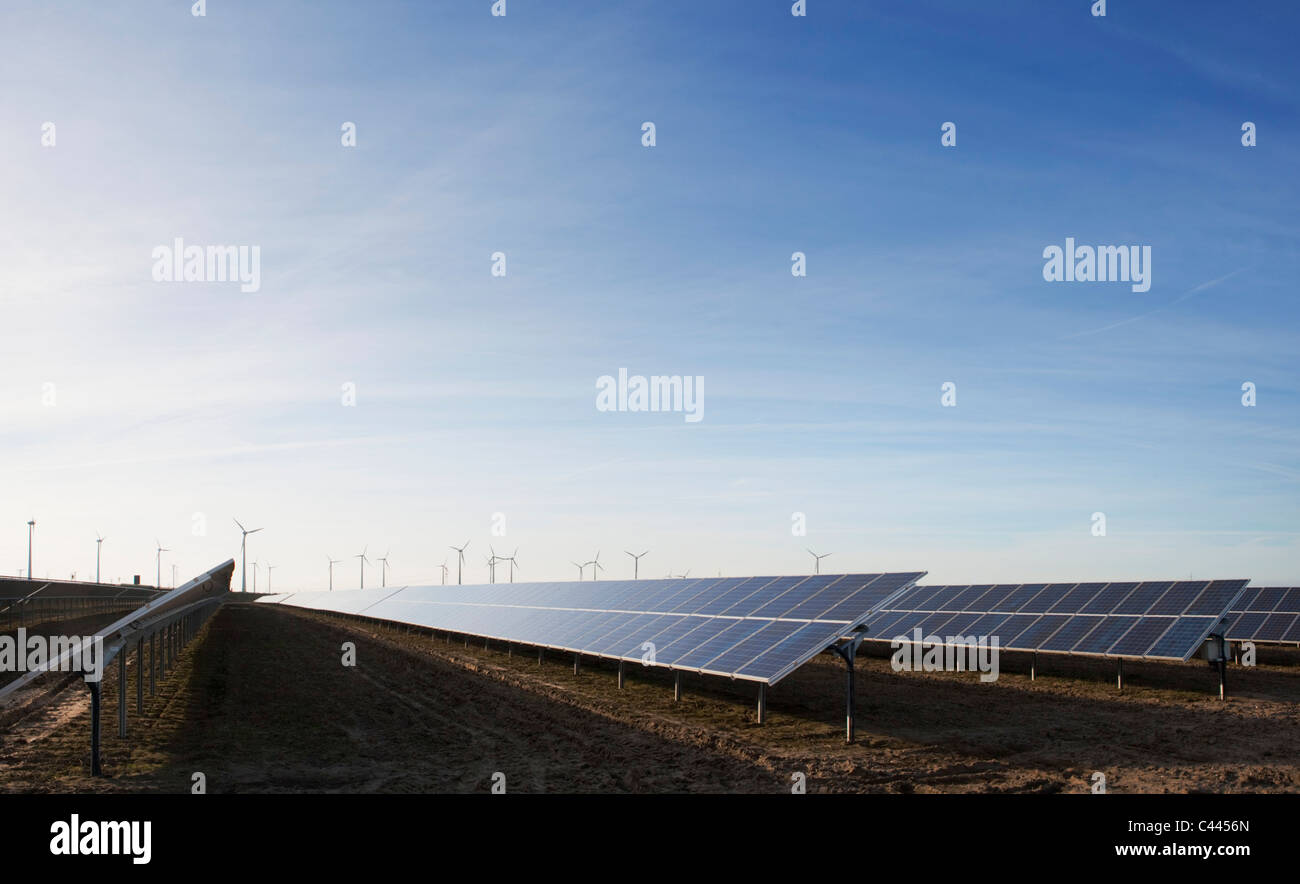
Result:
[1266,614]
[1156,620]
[755,628]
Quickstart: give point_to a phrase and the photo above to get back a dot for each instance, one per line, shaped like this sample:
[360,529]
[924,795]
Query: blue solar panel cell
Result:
[933,623]
[634,644]
[668,650]
[1243,603]
[952,599]
[1040,631]
[1275,628]
[747,649]
[815,606]
[987,625]
[973,598]
[1141,599]
[904,625]
[872,594]
[676,630]
[1106,600]
[960,624]
[1246,625]
[1293,634]
[919,600]
[1072,600]
[1065,638]
[562,634]
[714,645]
[703,599]
[904,600]
[774,661]
[1179,597]
[882,626]
[1267,598]
[599,628]
[1100,639]
[1141,636]
[1182,639]
[1215,598]
[1023,595]
[1012,627]
[784,602]
[768,592]
[616,637]
[1290,602]
[991,598]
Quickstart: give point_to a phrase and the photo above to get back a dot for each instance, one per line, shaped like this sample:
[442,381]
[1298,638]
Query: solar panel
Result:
[1072,601]
[1156,619]
[754,628]
[1266,614]
[1275,627]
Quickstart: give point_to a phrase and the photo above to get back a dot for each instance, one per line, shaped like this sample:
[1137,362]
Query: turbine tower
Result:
[511,559]
[99,545]
[254,575]
[269,569]
[31,526]
[595,563]
[576,565]
[460,559]
[243,552]
[363,559]
[443,566]
[161,549]
[817,561]
[636,562]
[332,562]
[383,570]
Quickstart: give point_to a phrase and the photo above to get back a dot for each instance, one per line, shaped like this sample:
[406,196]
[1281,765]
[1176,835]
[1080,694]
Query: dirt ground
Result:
[260,702]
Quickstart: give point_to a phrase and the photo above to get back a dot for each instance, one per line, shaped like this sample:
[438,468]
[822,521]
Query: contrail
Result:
[1183,297]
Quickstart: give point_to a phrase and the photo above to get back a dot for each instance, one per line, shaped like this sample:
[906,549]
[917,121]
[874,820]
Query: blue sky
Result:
[775,134]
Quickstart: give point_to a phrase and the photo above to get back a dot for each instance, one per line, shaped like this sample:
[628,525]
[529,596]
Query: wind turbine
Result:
[31,526]
[460,560]
[443,566]
[595,563]
[511,559]
[492,565]
[383,571]
[576,565]
[174,567]
[363,559]
[332,562]
[636,562]
[817,560]
[254,575]
[161,549]
[269,569]
[99,545]
[243,552]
